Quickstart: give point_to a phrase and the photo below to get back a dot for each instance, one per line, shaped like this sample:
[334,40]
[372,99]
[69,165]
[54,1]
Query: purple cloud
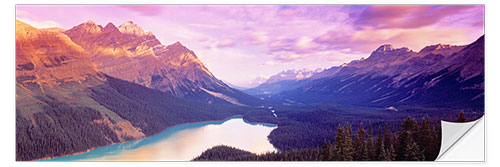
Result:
[225,43]
[146,10]
[406,16]
[290,57]
[258,37]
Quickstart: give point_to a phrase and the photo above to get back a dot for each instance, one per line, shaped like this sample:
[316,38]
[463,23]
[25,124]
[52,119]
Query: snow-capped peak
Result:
[130,27]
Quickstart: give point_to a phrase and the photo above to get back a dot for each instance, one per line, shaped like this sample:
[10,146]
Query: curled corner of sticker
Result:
[462,141]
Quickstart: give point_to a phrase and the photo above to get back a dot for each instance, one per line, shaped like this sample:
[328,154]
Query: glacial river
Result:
[185,142]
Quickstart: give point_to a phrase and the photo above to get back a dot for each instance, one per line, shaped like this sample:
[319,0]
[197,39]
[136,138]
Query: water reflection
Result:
[184,142]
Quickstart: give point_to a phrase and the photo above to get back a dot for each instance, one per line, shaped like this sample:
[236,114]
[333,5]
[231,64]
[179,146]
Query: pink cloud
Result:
[305,44]
[298,45]
[406,16]
[281,44]
[269,63]
[146,10]
[202,39]
[287,13]
[40,24]
[291,57]
[479,23]
[21,13]
[225,43]
[259,37]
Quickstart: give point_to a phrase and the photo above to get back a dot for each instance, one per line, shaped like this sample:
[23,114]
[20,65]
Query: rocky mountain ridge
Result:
[128,52]
[392,76]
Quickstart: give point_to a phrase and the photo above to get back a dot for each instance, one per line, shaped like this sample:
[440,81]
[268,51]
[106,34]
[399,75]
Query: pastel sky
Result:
[241,44]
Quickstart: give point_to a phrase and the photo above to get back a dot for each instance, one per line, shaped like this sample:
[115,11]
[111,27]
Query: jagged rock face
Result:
[49,57]
[51,67]
[130,53]
[471,66]
[402,62]
[181,69]
[131,28]
[110,41]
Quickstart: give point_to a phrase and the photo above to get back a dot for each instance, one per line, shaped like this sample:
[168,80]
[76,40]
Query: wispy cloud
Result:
[208,26]
[23,16]
[291,57]
[258,37]
[225,43]
[146,10]
[40,24]
[269,63]
[406,16]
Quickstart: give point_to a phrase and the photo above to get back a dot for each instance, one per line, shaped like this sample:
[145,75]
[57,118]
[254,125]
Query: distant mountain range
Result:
[282,81]
[437,75]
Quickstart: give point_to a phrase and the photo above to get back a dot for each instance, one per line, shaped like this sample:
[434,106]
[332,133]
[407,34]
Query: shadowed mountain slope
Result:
[437,75]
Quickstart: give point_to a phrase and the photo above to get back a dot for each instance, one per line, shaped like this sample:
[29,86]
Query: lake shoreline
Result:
[155,134]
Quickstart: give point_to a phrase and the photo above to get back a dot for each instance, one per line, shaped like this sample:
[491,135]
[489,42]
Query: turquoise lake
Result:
[185,142]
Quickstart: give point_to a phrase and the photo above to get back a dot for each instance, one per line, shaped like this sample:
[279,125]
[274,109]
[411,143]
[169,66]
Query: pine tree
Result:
[416,132]
[338,152]
[404,136]
[395,141]
[412,151]
[347,145]
[408,148]
[379,142]
[370,145]
[426,140]
[387,156]
[432,146]
[387,137]
[392,151]
[462,118]
[326,151]
[360,144]
[364,155]
[382,155]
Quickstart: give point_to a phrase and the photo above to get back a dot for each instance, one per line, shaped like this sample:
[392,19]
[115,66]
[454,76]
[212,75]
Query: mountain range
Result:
[128,52]
[437,75]
[282,81]
[84,88]
[91,86]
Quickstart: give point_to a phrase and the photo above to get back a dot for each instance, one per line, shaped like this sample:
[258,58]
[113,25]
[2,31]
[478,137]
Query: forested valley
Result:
[308,128]
[62,128]
[416,141]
